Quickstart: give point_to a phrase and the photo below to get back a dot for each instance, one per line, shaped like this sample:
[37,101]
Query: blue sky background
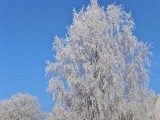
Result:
[27,30]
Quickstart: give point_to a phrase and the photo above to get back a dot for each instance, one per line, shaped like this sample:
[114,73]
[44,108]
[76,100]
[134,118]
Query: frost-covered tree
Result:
[157,107]
[20,107]
[101,69]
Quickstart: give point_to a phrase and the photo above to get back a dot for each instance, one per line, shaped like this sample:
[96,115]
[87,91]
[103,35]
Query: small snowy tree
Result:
[101,69]
[20,107]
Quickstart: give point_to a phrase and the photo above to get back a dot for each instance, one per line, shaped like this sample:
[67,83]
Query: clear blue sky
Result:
[27,30]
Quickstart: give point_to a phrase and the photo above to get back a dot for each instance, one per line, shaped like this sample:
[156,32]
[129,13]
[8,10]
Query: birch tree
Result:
[20,107]
[101,68]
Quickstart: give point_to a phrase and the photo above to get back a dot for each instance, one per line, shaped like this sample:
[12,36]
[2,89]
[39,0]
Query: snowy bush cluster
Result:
[100,73]
[20,107]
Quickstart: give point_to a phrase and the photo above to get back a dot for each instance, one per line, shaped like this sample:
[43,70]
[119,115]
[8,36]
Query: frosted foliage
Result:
[101,69]
[20,107]
[157,107]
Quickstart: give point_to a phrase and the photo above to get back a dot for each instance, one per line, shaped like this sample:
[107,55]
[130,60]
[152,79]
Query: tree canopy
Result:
[104,66]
